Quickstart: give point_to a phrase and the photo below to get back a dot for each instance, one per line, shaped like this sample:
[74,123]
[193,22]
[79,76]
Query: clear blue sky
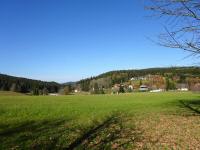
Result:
[67,40]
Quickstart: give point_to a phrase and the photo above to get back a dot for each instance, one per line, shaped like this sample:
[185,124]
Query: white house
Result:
[156,91]
[53,94]
[76,91]
[138,78]
[144,88]
[131,87]
[183,89]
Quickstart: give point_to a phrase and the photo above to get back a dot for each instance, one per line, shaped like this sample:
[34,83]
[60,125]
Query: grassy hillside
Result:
[140,120]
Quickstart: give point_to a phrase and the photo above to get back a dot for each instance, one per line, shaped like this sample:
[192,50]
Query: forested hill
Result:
[125,75]
[190,71]
[23,85]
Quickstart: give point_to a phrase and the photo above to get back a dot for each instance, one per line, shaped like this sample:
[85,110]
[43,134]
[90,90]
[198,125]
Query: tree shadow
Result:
[110,134]
[62,134]
[31,126]
[192,105]
[32,135]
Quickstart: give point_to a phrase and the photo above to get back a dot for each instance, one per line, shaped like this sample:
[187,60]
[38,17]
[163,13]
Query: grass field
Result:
[132,121]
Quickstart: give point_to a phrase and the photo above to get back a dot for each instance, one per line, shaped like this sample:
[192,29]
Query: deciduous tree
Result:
[183,27]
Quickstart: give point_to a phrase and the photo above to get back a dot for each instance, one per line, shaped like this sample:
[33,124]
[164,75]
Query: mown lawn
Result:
[130,121]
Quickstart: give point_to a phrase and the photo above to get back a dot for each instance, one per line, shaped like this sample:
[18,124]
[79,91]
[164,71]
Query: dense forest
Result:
[23,85]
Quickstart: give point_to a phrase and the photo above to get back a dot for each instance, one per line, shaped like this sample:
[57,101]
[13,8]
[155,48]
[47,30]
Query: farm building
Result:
[53,94]
[144,88]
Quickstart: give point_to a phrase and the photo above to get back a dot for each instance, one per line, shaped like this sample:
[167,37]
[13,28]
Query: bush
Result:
[121,89]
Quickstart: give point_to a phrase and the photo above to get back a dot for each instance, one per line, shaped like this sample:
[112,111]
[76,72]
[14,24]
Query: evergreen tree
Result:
[13,88]
[101,91]
[45,91]
[170,85]
[167,84]
[36,91]
[96,89]
[121,89]
[140,82]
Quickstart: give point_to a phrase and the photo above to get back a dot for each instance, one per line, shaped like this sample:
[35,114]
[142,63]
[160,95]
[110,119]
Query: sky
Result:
[68,40]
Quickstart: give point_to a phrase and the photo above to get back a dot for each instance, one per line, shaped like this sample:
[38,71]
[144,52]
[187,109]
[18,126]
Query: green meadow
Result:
[168,120]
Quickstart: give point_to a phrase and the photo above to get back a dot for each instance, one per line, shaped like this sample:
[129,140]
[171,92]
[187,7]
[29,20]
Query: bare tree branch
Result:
[184,30]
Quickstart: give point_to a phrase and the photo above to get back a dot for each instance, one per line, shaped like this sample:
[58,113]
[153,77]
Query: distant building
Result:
[182,87]
[138,78]
[144,88]
[53,94]
[131,87]
[132,79]
[157,91]
[76,91]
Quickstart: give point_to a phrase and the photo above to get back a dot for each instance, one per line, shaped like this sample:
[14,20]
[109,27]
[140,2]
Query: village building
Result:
[157,91]
[131,87]
[182,87]
[53,94]
[76,91]
[144,88]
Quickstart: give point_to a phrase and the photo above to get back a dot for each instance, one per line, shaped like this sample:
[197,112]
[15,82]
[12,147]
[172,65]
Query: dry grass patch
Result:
[170,131]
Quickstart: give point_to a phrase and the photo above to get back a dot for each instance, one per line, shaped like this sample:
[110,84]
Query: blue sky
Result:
[67,40]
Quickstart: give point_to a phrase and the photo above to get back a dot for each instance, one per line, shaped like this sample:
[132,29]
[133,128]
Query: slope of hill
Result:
[24,85]
[120,76]
[187,71]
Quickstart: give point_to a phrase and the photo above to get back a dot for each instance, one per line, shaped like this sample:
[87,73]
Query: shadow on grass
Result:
[192,105]
[110,134]
[31,126]
[60,134]
[32,135]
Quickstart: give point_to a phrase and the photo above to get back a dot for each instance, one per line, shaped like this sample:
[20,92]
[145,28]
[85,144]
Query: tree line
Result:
[23,85]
